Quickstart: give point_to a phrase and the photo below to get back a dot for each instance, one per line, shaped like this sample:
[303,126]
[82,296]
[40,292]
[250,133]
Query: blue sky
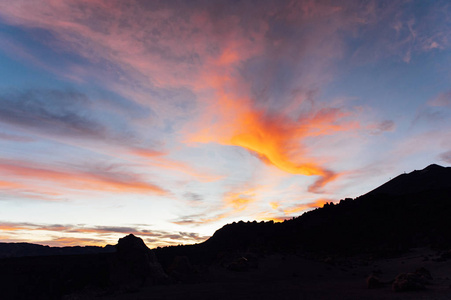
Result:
[169,119]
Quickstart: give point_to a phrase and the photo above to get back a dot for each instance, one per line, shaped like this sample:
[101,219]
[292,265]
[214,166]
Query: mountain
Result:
[431,178]
[28,249]
[410,210]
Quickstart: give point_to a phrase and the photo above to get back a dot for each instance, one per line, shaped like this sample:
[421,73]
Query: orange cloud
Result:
[7,227]
[9,185]
[239,201]
[285,214]
[274,205]
[233,203]
[157,159]
[275,138]
[264,216]
[303,207]
[71,241]
[149,153]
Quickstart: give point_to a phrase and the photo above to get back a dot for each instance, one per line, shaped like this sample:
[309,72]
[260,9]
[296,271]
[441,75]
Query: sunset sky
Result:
[169,119]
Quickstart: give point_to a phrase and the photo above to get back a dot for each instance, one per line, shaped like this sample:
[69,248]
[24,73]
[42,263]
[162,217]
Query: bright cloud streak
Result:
[189,115]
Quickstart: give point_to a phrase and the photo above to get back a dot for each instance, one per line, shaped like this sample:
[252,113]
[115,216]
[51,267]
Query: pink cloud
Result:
[442,99]
[93,180]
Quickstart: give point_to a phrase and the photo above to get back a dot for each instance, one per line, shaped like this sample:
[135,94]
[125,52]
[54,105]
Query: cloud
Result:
[400,31]
[70,242]
[275,138]
[9,185]
[442,99]
[304,207]
[14,138]
[235,203]
[225,48]
[429,114]
[193,197]
[97,178]
[50,111]
[381,127]
[194,219]
[285,213]
[156,159]
[446,157]
[319,184]
[69,116]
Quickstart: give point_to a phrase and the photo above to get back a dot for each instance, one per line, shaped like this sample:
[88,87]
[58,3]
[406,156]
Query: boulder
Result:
[373,282]
[135,265]
[182,270]
[239,265]
[409,282]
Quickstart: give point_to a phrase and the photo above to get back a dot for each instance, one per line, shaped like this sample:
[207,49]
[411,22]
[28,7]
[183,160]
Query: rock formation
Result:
[135,265]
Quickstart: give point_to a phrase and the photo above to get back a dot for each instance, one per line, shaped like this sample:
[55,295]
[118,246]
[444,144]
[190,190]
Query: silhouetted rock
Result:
[412,281]
[239,265]
[182,270]
[408,282]
[135,265]
[373,282]
[181,264]
[424,273]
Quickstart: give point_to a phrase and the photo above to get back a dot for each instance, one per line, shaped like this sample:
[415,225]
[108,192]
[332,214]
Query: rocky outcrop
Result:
[373,282]
[182,270]
[412,281]
[135,265]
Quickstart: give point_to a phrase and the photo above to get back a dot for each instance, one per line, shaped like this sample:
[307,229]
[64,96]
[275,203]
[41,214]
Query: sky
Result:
[170,119]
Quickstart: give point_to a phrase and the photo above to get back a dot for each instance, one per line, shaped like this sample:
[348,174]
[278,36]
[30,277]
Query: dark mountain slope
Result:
[431,178]
[411,210]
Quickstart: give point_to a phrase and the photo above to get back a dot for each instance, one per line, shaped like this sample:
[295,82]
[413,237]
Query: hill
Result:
[28,249]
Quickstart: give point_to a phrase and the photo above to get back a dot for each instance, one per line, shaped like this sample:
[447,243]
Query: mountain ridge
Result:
[433,179]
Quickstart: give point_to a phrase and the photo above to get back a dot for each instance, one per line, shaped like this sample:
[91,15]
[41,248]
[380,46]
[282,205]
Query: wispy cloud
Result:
[446,157]
[233,203]
[50,111]
[442,99]
[14,138]
[94,179]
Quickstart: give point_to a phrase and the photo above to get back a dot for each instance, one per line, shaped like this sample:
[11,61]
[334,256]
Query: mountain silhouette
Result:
[433,177]
[410,211]
[28,249]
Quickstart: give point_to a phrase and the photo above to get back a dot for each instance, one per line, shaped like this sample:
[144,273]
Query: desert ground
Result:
[291,276]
